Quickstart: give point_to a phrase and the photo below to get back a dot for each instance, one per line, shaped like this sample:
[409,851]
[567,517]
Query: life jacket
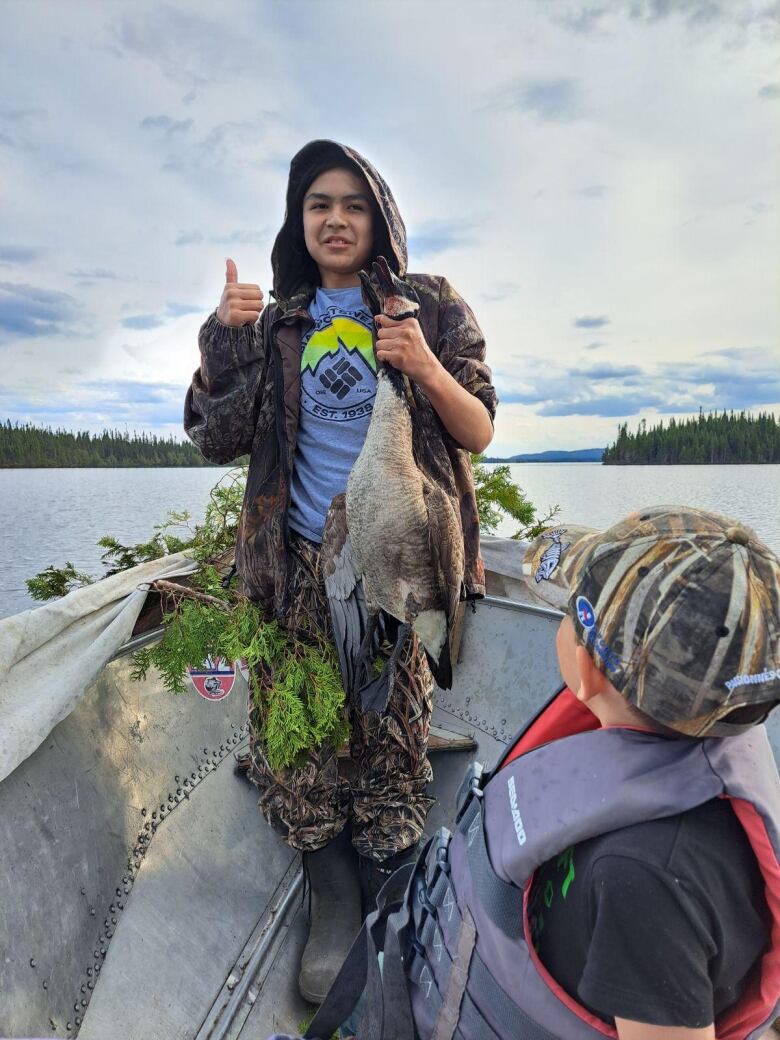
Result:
[458,957]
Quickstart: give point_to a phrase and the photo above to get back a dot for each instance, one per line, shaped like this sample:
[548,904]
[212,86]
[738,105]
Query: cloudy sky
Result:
[599,180]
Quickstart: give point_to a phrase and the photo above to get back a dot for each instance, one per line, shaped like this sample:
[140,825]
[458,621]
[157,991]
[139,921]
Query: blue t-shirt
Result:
[338,386]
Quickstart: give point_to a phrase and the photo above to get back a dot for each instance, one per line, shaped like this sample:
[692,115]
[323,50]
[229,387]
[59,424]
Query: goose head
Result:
[387,293]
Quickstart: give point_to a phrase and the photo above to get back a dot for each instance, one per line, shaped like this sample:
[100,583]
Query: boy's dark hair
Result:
[301,269]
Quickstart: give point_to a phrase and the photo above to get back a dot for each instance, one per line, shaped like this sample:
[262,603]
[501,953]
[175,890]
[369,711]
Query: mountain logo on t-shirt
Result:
[338,371]
[341,333]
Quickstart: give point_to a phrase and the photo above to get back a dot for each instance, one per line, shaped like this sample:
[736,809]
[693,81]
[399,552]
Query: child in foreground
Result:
[617,874]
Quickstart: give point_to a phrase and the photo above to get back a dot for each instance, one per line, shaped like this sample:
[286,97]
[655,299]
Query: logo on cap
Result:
[551,556]
[585,612]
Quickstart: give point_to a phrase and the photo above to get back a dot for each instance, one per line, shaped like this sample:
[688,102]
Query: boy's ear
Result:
[591,679]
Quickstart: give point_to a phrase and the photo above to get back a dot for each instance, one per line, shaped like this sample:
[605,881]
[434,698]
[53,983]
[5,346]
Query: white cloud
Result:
[587,160]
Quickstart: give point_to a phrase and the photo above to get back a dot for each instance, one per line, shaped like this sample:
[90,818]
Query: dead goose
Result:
[405,538]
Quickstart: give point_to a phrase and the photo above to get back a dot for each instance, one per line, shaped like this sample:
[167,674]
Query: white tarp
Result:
[504,575]
[50,655]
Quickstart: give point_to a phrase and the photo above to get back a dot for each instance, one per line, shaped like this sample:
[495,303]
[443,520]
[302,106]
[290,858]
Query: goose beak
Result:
[384,276]
[373,300]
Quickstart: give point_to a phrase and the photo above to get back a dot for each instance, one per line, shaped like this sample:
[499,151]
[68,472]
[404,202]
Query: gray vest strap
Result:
[387,1014]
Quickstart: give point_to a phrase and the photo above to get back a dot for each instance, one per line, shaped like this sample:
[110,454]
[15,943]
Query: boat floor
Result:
[183,962]
[145,894]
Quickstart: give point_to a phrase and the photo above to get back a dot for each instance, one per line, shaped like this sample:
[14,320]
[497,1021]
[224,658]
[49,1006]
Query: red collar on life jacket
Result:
[562,717]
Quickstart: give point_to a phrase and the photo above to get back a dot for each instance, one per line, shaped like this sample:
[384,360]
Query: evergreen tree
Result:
[25,446]
[706,439]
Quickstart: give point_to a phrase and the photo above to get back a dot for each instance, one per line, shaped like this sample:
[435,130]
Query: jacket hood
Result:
[294,271]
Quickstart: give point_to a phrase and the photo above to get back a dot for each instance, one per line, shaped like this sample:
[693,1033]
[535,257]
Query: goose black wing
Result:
[447,559]
[346,599]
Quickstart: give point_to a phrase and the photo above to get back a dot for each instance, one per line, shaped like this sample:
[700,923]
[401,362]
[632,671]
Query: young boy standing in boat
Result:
[292,384]
[617,875]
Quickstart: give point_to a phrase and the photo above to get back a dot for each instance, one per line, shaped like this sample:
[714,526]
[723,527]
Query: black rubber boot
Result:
[335,914]
[374,874]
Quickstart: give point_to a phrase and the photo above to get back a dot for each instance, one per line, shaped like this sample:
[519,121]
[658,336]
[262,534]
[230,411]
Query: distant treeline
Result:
[705,439]
[28,446]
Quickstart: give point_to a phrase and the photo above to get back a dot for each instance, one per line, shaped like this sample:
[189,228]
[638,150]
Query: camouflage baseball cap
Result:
[680,608]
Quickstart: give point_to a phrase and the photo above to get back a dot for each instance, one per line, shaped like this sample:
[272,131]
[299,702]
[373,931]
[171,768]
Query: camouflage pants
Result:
[380,785]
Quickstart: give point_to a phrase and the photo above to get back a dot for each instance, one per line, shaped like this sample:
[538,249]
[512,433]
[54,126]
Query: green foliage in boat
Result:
[305,706]
[498,497]
[54,582]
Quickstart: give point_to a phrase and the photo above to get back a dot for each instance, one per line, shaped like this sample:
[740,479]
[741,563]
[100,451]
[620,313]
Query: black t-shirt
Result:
[660,923]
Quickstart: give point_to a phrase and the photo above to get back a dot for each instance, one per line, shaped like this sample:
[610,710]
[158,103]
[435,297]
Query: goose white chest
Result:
[386,512]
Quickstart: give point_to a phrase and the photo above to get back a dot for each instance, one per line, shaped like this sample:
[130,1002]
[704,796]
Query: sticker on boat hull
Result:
[214,678]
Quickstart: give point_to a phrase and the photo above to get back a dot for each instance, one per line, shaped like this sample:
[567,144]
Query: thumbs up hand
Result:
[241,302]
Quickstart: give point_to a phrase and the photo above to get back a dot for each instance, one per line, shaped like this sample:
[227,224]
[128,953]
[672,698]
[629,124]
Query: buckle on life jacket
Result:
[423,899]
[471,787]
[443,839]
[437,860]
[427,909]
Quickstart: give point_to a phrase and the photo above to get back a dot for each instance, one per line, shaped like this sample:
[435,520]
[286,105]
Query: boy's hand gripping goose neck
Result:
[402,533]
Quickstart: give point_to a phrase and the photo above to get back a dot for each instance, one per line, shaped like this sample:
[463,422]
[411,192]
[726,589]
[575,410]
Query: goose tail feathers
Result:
[441,668]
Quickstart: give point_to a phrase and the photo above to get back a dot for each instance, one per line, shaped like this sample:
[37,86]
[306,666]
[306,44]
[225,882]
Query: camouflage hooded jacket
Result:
[245,396]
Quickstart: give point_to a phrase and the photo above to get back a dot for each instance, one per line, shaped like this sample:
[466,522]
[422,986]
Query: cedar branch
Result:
[161,585]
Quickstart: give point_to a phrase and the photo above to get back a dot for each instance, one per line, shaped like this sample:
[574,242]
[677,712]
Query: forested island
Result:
[703,440]
[33,447]
[581,455]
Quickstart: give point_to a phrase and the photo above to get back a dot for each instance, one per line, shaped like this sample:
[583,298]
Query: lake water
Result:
[49,516]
